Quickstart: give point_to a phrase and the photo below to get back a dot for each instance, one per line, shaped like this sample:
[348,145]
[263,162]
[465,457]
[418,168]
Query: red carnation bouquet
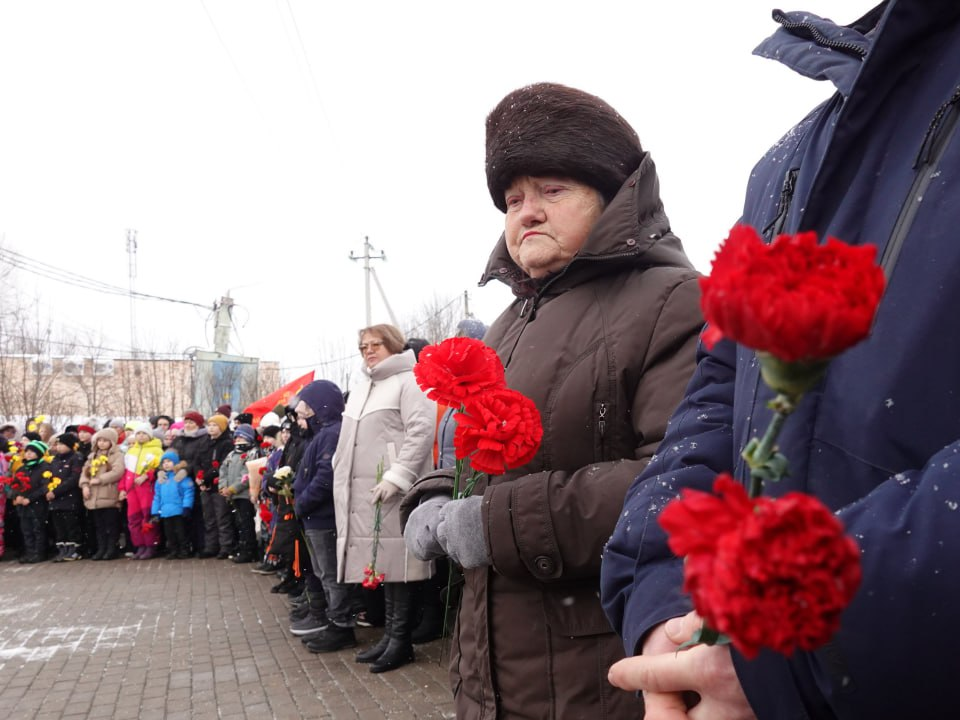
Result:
[763,572]
[16,484]
[498,429]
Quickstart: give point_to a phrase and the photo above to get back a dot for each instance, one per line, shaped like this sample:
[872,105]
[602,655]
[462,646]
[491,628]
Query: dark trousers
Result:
[33,528]
[194,526]
[323,557]
[66,526]
[175,531]
[211,532]
[246,528]
[226,529]
[106,522]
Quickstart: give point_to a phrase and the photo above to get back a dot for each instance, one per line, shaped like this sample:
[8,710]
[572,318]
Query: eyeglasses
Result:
[372,345]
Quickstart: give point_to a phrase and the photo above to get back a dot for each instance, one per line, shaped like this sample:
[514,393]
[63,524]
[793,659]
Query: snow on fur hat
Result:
[170,455]
[550,129]
[246,432]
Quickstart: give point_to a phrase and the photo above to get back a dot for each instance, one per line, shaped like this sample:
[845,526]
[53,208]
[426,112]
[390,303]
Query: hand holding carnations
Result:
[764,572]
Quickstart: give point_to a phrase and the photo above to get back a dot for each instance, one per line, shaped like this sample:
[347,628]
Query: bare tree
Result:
[436,319]
[339,361]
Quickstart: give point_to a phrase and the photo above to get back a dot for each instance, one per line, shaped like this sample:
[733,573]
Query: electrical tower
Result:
[370,272]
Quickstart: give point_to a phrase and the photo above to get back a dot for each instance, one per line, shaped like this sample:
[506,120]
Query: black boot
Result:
[332,639]
[430,602]
[372,654]
[399,650]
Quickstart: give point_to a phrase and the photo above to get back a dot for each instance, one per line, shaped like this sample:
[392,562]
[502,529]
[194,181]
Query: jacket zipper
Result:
[941,130]
[818,37]
[602,427]
[783,206]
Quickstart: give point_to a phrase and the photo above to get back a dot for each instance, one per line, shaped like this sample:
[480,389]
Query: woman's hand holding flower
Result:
[383,491]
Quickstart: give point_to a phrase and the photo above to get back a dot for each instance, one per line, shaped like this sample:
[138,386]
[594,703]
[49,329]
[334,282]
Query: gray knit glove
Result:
[460,532]
[420,533]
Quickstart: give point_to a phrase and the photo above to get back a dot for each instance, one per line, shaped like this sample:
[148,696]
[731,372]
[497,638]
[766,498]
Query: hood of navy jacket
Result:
[326,401]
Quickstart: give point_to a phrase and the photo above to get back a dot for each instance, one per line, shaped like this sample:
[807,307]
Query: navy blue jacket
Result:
[313,483]
[879,439]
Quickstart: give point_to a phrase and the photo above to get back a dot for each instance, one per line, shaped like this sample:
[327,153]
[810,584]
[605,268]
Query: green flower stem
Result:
[758,457]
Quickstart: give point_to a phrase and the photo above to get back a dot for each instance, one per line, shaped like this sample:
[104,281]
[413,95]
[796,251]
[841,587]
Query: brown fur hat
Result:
[550,129]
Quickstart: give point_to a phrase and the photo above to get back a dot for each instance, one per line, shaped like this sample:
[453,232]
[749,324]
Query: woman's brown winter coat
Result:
[104,492]
[605,349]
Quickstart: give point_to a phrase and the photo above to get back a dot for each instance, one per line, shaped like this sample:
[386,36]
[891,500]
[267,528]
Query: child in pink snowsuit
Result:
[141,462]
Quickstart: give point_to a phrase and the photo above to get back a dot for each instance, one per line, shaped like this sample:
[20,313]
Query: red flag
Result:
[282,396]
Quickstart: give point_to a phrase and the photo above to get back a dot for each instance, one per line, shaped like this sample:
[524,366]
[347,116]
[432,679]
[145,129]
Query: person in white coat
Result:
[386,443]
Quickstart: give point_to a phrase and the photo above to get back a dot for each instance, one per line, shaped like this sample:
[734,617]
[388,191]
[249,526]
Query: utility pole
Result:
[466,305]
[370,272]
[132,271]
[221,333]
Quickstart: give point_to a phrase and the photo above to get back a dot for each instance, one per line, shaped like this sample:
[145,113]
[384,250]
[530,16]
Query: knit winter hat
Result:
[271,419]
[195,416]
[224,410]
[170,455]
[550,129]
[220,421]
[38,446]
[143,427]
[68,439]
[246,432]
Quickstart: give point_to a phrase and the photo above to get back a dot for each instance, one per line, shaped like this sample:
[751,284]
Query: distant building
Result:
[75,386]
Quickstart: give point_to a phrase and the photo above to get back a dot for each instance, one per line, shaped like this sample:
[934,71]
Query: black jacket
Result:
[215,452]
[66,496]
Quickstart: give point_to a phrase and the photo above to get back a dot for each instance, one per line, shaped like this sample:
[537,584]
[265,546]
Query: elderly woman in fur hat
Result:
[601,336]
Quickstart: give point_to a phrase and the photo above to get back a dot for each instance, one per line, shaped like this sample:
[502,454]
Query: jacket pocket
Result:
[575,611]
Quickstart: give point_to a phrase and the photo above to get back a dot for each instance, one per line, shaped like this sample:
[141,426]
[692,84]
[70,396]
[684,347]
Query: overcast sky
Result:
[253,145]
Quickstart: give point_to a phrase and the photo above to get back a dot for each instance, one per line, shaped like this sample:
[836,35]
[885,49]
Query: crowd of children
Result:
[215,487]
[131,489]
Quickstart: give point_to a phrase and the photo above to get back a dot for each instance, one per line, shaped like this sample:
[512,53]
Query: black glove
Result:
[187,512]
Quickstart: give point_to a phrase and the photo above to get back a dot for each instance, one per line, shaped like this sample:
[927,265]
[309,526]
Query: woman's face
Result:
[372,349]
[548,220]
[190,426]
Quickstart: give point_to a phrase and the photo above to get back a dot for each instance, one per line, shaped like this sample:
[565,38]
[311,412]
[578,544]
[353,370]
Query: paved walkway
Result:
[184,639]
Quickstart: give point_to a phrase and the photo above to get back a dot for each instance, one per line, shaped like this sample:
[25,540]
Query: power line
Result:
[51,272]
[313,78]
[86,346]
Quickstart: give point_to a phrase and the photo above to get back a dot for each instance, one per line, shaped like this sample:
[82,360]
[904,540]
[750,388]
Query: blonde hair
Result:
[391,336]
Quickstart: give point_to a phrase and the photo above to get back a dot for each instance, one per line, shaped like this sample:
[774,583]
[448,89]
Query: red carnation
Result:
[793,298]
[499,430]
[215,464]
[773,573]
[457,369]
[372,579]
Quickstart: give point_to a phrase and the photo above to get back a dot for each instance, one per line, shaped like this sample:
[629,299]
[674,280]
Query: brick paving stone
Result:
[195,639]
